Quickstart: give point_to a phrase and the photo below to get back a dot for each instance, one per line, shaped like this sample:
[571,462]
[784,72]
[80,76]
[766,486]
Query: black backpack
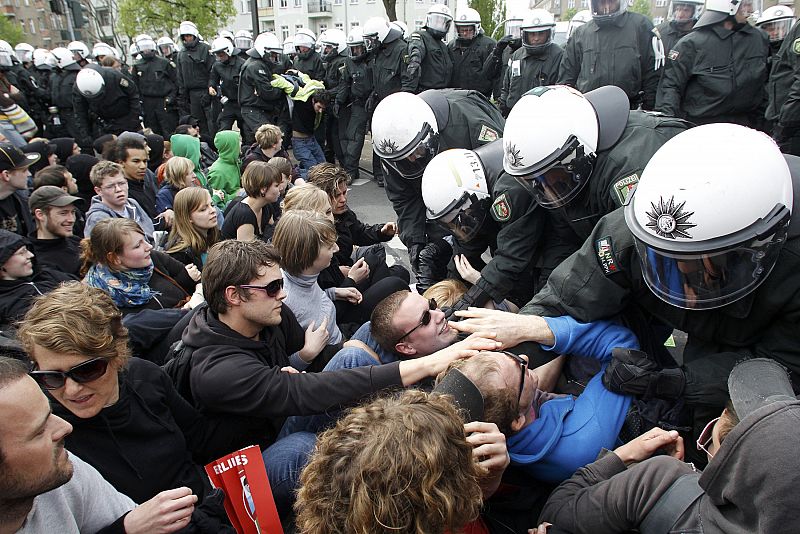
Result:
[178,366]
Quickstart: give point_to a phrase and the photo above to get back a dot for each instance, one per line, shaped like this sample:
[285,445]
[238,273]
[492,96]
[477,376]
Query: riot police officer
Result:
[497,63]
[536,63]
[681,18]
[156,78]
[243,41]
[334,43]
[469,51]
[617,47]
[194,68]
[718,73]
[166,47]
[111,97]
[776,21]
[472,198]
[409,130]
[80,52]
[355,87]
[62,114]
[224,81]
[783,110]
[260,102]
[430,62]
[307,59]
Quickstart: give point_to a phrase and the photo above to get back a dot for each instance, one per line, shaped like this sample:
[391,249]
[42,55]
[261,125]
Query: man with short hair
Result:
[14,213]
[54,243]
[112,199]
[131,152]
[45,489]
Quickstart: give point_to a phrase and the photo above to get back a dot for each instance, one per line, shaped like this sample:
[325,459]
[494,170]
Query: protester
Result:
[178,174]
[251,218]
[195,229]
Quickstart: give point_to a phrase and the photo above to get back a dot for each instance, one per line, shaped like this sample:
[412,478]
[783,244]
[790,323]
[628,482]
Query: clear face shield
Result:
[777,29]
[563,177]
[606,8]
[166,49]
[702,281]
[5,59]
[465,218]
[371,41]
[275,56]
[748,9]
[243,43]
[466,32]
[514,28]
[535,39]
[682,13]
[438,22]
[412,162]
[357,50]
[26,56]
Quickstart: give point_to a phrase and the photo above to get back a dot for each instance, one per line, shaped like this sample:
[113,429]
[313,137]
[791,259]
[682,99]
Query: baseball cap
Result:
[12,158]
[50,195]
[756,383]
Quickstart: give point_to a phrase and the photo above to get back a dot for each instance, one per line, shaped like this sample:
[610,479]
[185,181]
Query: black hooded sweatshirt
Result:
[241,378]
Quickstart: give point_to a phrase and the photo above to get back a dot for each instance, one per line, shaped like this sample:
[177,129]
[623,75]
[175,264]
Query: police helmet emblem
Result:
[778,12]
[670,220]
[513,156]
[387,146]
[536,21]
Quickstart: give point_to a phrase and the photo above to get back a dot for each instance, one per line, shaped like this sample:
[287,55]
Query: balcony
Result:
[319,8]
[266,12]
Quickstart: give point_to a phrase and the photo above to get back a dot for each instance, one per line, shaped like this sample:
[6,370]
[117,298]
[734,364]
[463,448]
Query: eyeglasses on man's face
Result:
[523,367]
[424,320]
[272,289]
[706,438]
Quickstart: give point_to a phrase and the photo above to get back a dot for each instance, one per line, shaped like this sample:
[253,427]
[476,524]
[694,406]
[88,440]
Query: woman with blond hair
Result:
[178,174]
[194,229]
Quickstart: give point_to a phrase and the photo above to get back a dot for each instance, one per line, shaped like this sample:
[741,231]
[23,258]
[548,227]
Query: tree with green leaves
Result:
[158,17]
[492,12]
[569,13]
[10,31]
[641,6]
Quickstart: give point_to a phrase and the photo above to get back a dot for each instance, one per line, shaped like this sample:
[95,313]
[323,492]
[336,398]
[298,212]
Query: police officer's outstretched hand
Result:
[511,328]
[502,44]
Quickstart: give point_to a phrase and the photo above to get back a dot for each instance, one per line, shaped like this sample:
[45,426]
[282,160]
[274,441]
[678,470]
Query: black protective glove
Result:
[371,104]
[476,297]
[502,44]
[413,255]
[432,264]
[504,109]
[633,372]
[413,68]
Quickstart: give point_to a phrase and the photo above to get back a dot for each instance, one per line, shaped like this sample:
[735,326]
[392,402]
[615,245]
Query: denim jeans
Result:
[285,460]
[307,152]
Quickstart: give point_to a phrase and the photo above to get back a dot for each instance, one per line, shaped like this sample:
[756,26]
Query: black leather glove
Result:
[504,110]
[502,44]
[371,104]
[432,264]
[413,68]
[413,255]
[633,372]
[474,297]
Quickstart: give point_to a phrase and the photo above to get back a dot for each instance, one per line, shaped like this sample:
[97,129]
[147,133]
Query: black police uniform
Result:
[63,123]
[469,60]
[430,63]
[225,80]
[310,63]
[355,88]
[528,69]
[116,109]
[194,70]
[618,52]
[783,91]
[670,34]
[157,80]
[604,280]
[333,143]
[717,75]
[389,64]
[466,119]
[497,64]
[259,101]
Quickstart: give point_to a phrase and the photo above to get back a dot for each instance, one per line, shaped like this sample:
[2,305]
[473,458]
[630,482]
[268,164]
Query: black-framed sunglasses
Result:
[424,320]
[523,366]
[82,373]
[272,289]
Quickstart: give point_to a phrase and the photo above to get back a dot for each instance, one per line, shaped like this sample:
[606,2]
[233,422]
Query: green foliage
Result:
[159,17]
[10,31]
[493,12]
[641,6]
[569,13]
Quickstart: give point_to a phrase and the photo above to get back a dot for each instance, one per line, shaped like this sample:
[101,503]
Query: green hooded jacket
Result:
[224,173]
[189,147]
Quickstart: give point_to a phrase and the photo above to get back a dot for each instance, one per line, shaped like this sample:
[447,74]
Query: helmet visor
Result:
[606,8]
[438,22]
[243,43]
[411,162]
[681,12]
[465,220]
[513,28]
[5,59]
[166,49]
[706,281]
[777,29]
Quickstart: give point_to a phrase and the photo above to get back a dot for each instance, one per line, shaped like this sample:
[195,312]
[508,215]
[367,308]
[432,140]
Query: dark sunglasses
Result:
[272,289]
[523,367]
[82,373]
[424,321]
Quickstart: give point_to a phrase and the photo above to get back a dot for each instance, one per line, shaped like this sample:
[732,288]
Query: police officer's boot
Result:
[633,372]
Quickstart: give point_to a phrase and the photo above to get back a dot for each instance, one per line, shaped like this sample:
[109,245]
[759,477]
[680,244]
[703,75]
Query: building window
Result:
[32,25]
[337,2]
[284,33]
[661,3]
[298,3]
[298,27]
[657,20]
[245,7]
[322,28]
[353,2]
[339,25]
[104,16]
[585,4]
[354,24]
[570,4]
[284,3]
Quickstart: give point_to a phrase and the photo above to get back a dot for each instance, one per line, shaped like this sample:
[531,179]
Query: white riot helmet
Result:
[705,236]
[456,193]
[468,25]
[605,12]
[222,44]
[101,50]
[267,46]
[375,31]
[64,57]
[402,27]
[80,49]
[90,83]
[580,18]
[438,20]
[166,46]
[43,59]
[145,44]
[7,55]
[775,20]
[555,160]
[405,133]
[719,10]
[227,34]
[288,46]
[355,44]
[684,11]
[24,52]
[512,26]
[243,40]
[187,27]
[305,37]
[537,21]
[336,40]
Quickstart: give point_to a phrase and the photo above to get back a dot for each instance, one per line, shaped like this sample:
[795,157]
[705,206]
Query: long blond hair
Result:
[184,234]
